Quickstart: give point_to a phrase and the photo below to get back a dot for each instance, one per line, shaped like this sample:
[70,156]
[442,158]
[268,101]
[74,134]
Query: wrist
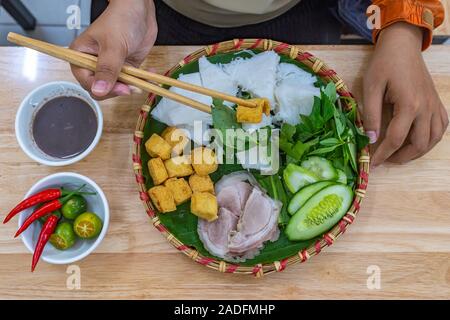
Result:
[146,4]
[400,34]
[138,9]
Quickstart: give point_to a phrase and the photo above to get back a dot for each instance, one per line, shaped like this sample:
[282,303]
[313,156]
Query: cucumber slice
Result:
[304,194]
[321,212]
[296,177]
[321,167]
[342,177]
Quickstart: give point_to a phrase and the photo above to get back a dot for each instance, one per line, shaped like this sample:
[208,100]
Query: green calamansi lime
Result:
[74,207]
[64,237]
[87,225]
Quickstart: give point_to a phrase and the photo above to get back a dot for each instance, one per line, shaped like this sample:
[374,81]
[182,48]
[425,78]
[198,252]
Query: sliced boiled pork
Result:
[215,235]
[248,217]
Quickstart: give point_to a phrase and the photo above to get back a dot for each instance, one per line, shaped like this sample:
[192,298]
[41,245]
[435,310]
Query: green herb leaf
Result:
[289,159]
[340,126]
[315,118]
[323,151]
[224,118]
[353,108]
[295,151]
[328,107]
[330,91]
[360,138]
[350,148]
[329,142]
[287,131]
[298,149]
[275,189]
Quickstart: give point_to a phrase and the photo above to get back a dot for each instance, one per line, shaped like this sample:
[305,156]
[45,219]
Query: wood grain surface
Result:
[403,229]
[444,29]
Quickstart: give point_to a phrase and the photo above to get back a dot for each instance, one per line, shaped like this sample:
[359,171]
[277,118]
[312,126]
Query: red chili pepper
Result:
[46,231]
[43,196]
[45,209]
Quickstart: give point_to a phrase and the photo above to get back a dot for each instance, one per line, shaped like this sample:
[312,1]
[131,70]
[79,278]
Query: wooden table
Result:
[444,29]
[403,228]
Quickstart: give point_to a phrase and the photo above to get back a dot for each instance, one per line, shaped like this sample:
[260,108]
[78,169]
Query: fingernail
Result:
[373,136]
[99,87]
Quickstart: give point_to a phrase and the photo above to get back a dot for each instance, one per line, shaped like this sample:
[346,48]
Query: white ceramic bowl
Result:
[27,111]
[96,203]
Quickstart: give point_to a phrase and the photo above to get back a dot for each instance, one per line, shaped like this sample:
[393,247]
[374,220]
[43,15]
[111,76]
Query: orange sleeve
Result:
[427,14]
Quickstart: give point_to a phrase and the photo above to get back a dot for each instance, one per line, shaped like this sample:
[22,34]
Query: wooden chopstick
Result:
[154,77]
[129,75]
[83,62]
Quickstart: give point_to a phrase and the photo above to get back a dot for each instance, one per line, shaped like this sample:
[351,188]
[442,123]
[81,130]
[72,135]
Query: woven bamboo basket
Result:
[319,68]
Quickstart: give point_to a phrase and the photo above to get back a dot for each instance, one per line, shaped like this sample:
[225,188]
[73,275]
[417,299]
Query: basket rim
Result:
[320,69]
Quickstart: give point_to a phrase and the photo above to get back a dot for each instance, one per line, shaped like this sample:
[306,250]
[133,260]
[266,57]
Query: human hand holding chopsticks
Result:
[144,80]
[123,34]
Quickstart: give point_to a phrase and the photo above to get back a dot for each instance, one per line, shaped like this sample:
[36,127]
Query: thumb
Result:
[372,112]
[110,61]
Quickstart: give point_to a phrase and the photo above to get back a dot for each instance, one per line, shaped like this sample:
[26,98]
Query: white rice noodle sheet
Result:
[213,77]
[291,71]
[256,75]
[174,113]
[294,93]
[252,127]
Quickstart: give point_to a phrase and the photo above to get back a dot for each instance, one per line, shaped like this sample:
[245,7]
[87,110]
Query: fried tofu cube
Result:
[264,104]
[167,135]
[158,147]
[204,205]
[176,138]
[162,198]
[204,161]
[253,115]
[201,183]
[179,167]
[157,171]
[248,115]
[180,190]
